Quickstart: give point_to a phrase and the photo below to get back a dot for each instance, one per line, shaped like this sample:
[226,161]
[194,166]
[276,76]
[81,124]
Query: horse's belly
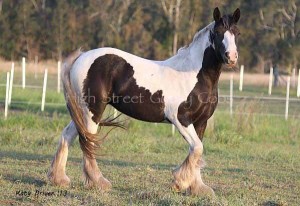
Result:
[138,102]
[142,111]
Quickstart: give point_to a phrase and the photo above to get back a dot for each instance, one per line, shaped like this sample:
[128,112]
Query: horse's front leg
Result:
[198,187]
[187,175]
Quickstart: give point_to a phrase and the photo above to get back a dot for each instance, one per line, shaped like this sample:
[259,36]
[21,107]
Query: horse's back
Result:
[84,62]
[88,57]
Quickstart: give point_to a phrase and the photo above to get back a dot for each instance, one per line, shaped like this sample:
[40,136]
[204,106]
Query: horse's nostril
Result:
[227,54]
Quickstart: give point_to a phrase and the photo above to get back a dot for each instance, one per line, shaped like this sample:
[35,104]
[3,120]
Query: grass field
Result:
[251,159]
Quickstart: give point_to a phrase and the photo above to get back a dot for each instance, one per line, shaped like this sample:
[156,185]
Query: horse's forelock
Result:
[227,21]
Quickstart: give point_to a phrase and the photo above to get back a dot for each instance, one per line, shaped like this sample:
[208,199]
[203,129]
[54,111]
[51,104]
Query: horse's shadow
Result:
[24,156]
[102,160]
[21,156]
[24,179]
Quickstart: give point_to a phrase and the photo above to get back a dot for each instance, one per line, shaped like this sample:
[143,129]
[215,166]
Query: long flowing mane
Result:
[186,58]
[199,34]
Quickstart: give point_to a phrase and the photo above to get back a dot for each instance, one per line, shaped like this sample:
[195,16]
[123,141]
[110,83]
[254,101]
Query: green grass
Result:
[256,164]
[251,159]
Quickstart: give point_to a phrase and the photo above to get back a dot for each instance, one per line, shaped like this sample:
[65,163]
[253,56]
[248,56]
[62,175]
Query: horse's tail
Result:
[88,141]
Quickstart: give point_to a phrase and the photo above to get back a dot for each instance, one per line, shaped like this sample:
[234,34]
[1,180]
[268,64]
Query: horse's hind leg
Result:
[57,174]
[93,176]
[91,172]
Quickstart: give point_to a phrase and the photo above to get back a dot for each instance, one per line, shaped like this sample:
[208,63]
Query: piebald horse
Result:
[182,90]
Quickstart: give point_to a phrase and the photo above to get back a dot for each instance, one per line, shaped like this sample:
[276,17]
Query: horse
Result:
[182,90]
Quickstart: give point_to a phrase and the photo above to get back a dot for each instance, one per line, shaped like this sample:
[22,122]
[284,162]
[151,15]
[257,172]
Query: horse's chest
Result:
[199,106]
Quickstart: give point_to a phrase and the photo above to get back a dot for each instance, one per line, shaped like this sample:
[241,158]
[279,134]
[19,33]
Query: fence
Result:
[222,97]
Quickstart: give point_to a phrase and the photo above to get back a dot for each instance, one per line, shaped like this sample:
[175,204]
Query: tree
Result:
[152,29]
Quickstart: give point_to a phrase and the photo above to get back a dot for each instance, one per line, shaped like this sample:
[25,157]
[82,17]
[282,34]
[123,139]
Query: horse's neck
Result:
[190,58]
[211,71]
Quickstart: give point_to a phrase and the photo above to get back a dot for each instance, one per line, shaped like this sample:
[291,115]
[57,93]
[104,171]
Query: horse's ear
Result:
[217,14]
[236,15]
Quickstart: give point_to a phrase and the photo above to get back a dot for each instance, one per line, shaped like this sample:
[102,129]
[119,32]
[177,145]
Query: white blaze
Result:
[230,47]
[229,42]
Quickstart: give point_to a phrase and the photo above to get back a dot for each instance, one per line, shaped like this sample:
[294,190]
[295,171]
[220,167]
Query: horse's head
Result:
[224,36]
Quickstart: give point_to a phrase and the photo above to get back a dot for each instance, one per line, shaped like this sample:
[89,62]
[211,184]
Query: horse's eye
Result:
[236,32]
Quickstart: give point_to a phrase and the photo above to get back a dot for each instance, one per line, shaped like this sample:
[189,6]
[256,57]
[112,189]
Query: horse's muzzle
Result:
[231,58]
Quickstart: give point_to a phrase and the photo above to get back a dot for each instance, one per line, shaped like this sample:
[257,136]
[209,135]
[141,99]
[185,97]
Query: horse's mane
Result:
[182,60]
[197,36]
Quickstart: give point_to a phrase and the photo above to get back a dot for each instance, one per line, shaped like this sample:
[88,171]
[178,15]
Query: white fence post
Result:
[173,129]
[36,59]
[6,96]
[231,94]
[270,80]
[294,78]
[211,123]
[298,88]
[58,76]
[23,72]
[11,82]
[287,97]
[44,90]
[241,78]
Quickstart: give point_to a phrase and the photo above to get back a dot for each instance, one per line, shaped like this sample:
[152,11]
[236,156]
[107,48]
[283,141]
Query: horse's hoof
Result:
[102,184]
[201,190]
[181,182]
[175,187]
[59,180]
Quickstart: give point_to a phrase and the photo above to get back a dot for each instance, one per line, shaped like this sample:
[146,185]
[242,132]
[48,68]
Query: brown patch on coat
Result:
[110,81]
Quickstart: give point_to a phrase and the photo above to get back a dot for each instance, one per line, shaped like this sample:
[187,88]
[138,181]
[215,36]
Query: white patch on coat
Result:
[176,76]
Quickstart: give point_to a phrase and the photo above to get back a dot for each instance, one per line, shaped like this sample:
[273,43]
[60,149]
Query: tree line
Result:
[156,29]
